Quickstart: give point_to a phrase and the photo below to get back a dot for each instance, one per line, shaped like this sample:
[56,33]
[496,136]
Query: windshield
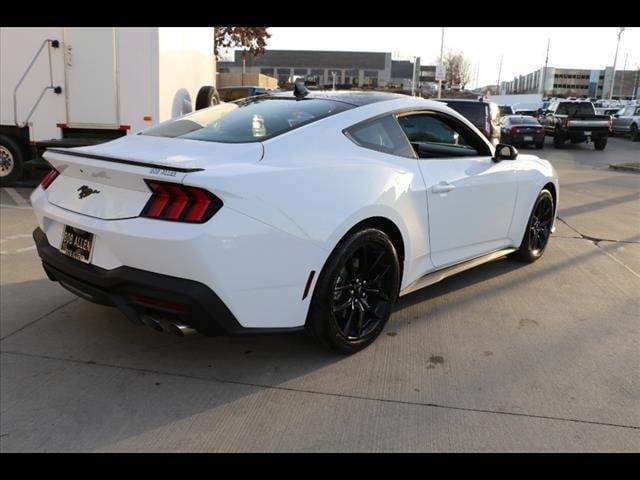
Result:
[249,120]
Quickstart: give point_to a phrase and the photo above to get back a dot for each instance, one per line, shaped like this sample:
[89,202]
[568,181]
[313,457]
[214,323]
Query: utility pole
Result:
[624,68]
[500,72]
[544,71]
[477,76]
[615,59]
[243,68]
[441,56]
[635,84]
[333,74]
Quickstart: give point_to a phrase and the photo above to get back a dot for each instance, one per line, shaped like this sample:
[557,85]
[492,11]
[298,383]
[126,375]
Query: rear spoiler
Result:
[120,160]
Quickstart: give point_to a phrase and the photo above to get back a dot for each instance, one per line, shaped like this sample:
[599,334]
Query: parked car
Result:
[220,220]
[229,94]
[576,122]
[627,121]
[483,114]
[506,110]
[520,130]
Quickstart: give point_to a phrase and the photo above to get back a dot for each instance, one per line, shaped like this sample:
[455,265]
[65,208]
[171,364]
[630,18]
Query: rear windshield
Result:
[251,120]
[523,121]
[575,108]
[472,111]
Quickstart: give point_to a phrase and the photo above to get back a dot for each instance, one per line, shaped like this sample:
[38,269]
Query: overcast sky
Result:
[523,47]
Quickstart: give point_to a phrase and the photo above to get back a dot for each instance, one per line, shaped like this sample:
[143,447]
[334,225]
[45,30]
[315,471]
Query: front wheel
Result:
[634,133]
[536,236]
[355,293]
[600,143]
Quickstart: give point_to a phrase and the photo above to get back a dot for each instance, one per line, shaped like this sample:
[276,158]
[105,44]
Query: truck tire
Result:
[558,141]
[11,161]
[207,96]
[600,143]
[634,133]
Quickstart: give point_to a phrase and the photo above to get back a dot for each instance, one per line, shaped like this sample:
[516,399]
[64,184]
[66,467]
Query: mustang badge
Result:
[85,191]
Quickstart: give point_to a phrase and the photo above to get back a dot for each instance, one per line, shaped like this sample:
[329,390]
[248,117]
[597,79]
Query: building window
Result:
[284,71]
[300,71]
[267,71]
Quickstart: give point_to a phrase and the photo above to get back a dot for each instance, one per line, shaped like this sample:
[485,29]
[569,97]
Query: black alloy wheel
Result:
[361,291]
[536,237]
[355,293]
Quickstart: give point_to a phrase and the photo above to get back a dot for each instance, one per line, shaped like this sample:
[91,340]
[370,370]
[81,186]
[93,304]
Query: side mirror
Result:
[505,152]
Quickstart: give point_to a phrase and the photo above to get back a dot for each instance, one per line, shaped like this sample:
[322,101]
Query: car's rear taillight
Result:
[49,178]
[180,203]
[567,123]
[515,130]
[540,130]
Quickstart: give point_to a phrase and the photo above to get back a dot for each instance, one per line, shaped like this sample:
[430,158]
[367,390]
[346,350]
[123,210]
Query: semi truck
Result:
[68,87]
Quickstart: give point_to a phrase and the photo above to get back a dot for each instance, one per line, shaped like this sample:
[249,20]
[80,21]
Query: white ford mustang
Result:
[286,211]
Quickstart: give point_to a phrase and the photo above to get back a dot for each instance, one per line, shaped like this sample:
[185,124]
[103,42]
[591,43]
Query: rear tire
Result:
[633,134]
[11,161]
[207,96]
[600,143]
[355,292]
[538,231]
[540,145]
[558,141]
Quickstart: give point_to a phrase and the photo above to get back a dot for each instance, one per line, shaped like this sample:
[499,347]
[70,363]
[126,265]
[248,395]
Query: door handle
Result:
[443,187]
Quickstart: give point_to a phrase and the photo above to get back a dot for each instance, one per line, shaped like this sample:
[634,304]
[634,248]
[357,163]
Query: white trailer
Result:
[81,86]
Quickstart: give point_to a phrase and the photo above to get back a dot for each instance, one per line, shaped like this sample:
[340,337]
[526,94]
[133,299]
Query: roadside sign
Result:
[441,72]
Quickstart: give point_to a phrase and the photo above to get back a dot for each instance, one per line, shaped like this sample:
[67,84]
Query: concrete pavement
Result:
[506,357]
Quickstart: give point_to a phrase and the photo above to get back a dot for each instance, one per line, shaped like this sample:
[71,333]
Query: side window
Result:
[382,134]
[436,136]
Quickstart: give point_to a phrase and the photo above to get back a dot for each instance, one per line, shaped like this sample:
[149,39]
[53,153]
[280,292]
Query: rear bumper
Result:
[578,135]
[133,292]
[519,139]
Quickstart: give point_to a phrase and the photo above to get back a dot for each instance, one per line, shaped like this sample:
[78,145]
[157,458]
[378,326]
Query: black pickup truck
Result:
[576,122]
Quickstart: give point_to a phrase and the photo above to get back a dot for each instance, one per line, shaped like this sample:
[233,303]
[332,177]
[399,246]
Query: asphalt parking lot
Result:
[505,357]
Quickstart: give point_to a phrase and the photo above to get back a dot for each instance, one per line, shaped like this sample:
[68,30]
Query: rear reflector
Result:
[180,203]
[308,285]
[49,178]
[156,302]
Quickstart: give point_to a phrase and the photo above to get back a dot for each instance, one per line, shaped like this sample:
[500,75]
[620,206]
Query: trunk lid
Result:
[107,181]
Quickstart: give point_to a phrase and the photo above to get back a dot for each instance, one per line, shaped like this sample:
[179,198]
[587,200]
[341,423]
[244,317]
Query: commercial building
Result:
[357,69]
[568,82]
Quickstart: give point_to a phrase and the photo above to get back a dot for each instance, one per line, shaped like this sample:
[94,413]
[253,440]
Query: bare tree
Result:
[458,68]
[252,40]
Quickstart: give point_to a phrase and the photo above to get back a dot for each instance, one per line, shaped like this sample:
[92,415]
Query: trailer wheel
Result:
[11,161]
[207,96]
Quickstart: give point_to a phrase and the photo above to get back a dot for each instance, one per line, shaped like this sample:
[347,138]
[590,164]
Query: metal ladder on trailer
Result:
[56,89]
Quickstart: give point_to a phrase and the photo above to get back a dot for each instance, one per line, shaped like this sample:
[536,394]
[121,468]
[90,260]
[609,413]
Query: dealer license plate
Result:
[77,243]
[528,139]
[587,134]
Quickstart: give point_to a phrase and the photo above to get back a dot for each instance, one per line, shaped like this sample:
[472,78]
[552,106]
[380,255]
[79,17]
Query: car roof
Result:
[354,97]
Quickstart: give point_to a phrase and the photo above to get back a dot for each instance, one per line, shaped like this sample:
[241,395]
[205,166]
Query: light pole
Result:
[500,72]
[413,81]
[441,55]
[624,68]
[544,72]
[615,59]
[333,74]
